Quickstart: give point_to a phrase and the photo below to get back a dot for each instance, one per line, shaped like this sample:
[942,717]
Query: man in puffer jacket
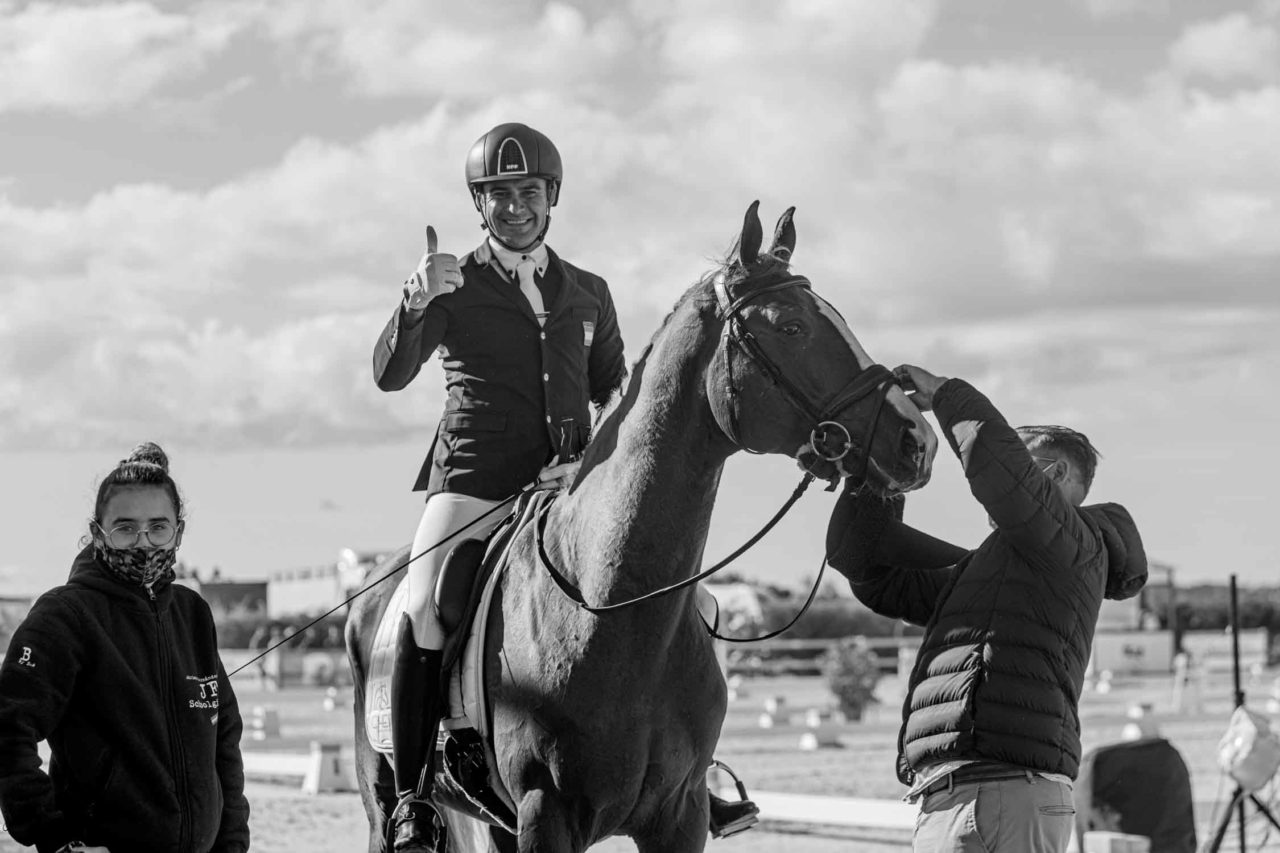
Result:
[990,741]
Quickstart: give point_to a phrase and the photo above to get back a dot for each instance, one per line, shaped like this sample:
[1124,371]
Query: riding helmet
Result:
[514,150]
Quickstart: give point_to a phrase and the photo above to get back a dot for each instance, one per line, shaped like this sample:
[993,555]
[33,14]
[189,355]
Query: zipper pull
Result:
[152,593]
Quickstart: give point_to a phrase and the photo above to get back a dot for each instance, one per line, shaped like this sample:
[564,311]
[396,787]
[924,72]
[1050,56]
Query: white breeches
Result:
[444,513]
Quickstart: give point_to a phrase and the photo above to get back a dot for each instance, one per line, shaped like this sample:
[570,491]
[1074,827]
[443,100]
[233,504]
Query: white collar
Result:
[508,259]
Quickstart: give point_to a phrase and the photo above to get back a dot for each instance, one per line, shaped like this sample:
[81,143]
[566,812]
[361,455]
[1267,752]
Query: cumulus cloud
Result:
[619,54]
[1234,47]
[1110,9]
[87,59]
[930,195]
[394,47]
[98,375]
[1049,364]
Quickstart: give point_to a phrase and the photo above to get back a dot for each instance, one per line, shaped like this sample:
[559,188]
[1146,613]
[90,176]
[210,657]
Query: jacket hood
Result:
[1126,558]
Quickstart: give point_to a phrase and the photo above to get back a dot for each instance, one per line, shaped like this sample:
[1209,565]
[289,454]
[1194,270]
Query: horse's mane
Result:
[734,272]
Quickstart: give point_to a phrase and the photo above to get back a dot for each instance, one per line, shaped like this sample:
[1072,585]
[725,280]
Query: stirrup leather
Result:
[728,818]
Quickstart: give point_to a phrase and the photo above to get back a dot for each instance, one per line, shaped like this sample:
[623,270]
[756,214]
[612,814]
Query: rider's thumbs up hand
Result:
[437,273]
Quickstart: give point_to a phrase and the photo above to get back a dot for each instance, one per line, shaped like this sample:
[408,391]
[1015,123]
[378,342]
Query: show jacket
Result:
[513,388]
[141,720]
[1008,627]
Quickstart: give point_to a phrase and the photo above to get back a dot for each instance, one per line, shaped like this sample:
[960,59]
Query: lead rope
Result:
[391,574]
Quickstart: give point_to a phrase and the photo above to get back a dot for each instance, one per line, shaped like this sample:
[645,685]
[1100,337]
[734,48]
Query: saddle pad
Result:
[466,705]
[377,704]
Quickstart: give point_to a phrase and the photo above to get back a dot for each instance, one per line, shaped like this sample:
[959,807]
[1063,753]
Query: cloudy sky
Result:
[206,211]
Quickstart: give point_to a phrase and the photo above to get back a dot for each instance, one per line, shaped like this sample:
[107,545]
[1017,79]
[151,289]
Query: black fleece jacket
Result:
[1008,626]
[141,721]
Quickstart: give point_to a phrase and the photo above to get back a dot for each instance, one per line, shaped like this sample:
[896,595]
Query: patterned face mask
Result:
[138,566]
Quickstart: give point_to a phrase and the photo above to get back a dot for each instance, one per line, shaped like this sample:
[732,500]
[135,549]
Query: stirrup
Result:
[416,826]
[728,818]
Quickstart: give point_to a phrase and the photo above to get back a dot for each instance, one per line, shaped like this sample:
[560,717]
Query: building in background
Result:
[312,590]
[1139,635]
[232,599]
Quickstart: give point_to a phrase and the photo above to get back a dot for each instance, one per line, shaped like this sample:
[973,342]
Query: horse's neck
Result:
[640,517]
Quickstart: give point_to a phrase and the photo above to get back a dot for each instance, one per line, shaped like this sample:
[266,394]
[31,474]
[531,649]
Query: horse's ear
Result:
[784,236]
[752,235]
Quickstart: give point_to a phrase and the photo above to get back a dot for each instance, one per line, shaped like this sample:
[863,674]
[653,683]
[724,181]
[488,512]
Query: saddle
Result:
[465,778]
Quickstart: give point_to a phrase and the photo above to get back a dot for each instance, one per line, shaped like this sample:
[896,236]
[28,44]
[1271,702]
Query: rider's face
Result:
[517,209]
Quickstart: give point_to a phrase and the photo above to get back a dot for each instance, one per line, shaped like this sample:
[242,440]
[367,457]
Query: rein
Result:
[575,596]
[570,592]
[875,379]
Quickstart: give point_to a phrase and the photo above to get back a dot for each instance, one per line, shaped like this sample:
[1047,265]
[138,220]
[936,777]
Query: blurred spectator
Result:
[1140,786]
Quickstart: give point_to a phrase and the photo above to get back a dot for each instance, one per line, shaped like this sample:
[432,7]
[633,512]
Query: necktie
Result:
[525,270]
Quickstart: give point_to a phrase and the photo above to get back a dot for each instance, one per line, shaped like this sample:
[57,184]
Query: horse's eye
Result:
[791,329]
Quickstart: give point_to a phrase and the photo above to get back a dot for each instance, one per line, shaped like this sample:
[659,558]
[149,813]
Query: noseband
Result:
[829,441]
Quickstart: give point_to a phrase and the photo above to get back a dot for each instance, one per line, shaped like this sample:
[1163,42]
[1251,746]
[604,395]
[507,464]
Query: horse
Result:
[604,724]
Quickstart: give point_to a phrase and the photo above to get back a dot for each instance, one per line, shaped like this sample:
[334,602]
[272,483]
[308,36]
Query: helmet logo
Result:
[511,158]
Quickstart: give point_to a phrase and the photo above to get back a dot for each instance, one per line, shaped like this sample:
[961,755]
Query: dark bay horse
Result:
[605,724]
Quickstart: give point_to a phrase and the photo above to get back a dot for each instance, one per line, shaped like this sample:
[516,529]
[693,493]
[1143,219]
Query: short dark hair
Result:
[147,465]
[1071,444]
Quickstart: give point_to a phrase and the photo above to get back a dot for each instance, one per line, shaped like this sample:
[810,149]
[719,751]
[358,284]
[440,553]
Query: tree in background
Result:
[852,673]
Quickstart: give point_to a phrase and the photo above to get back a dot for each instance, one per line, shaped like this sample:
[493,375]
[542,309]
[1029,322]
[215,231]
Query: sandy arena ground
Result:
[286,820]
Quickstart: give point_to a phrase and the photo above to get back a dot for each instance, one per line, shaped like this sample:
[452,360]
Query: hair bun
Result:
[150,453]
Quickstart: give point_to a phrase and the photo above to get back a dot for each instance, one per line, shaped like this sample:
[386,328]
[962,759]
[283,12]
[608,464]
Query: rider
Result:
[528,341]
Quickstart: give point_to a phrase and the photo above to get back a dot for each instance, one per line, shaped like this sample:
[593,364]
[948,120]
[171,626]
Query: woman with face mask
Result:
[118,670]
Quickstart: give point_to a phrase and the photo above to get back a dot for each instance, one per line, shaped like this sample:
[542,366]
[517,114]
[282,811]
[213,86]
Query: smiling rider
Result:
[528,343]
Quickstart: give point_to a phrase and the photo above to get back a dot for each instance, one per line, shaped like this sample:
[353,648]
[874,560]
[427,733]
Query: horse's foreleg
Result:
[375,780]
[544,825]
[682,829]
[377,790]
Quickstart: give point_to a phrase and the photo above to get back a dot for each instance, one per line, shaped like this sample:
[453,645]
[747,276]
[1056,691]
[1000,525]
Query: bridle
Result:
[829,441]
[875,379]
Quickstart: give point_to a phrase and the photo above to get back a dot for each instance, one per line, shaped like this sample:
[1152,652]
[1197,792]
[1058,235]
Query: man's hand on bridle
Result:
[919,384]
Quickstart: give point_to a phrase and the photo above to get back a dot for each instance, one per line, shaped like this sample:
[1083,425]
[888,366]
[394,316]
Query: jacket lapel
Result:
[496,277]
[567,281]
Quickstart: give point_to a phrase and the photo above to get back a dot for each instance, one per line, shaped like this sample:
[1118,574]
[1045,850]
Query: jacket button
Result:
[543,335]
[548,418]
[546,377]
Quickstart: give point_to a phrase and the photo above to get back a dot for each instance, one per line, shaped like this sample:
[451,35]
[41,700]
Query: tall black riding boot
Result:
[416,706]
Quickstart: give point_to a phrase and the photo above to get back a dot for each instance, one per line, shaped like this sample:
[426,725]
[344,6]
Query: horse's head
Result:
[790,377]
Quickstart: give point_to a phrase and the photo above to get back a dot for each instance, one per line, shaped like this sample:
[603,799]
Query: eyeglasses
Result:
[129,535]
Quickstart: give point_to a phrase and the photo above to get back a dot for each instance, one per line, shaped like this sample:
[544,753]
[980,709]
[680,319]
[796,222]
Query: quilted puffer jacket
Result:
[1009,626]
